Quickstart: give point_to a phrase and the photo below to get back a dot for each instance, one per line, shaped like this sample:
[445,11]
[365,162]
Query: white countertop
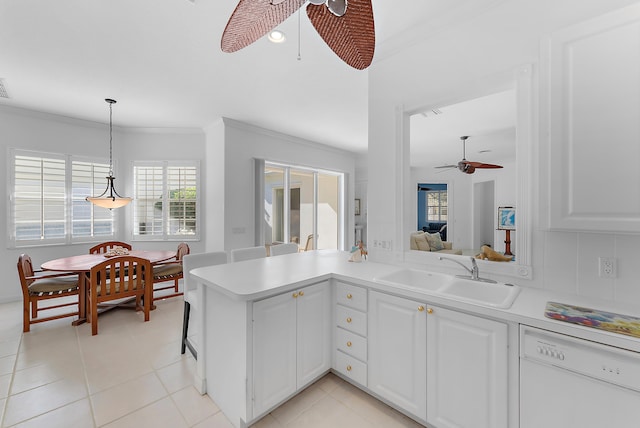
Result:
[261,278]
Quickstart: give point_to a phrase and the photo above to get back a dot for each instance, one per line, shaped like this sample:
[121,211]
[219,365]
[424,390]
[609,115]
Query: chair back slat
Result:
[104,247]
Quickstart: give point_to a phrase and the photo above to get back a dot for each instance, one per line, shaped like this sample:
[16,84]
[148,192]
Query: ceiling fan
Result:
[346,26]
[468,167]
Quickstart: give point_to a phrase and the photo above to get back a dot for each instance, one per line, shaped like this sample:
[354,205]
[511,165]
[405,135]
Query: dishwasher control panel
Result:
[593,359]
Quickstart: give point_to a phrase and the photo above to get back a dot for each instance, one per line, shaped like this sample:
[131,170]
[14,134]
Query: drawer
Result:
[351,367]
[352,344]
[352,320]
[352,296]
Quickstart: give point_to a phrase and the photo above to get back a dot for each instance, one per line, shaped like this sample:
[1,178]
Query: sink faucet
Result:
[474,271]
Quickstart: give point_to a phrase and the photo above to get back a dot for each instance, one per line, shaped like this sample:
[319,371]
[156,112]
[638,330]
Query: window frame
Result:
[68,237]
[165,236]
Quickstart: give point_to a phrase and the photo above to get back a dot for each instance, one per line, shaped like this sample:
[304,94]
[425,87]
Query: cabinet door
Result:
[592,104]
[397,351]
[314,332]
[274,351]
[466,371]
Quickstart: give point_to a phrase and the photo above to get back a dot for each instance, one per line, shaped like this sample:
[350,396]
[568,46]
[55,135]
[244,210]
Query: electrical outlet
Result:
[607,267]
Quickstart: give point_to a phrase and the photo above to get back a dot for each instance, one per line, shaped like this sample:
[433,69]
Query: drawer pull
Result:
[349,344]
[348,368]
[295,295]
[301,293]
[349,296]
[430,311]
[420,308]
[349,319]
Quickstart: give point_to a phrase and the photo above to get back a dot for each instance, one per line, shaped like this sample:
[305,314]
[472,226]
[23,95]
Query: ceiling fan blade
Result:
[253,19]
[484,165]
[446,166]
[352,36]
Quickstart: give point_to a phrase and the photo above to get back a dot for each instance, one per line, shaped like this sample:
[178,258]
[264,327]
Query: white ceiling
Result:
[161,60]
[489,121]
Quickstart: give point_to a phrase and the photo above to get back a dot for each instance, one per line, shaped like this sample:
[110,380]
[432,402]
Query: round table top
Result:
[84,262]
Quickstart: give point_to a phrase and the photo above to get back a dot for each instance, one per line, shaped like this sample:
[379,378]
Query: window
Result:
[165,202]
[48,203]
[437,205]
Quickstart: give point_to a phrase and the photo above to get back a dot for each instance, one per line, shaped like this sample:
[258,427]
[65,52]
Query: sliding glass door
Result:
[302,205]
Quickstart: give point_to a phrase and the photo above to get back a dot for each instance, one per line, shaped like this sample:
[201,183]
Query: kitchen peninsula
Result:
[270,327]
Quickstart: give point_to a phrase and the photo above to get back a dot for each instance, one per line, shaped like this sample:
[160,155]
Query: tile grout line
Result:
[86,376]
[13,374]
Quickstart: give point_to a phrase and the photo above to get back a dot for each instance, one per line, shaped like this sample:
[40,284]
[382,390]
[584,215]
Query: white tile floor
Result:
[132,375]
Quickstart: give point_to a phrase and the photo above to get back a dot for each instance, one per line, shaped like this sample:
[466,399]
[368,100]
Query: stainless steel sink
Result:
[414,279]
[497,295]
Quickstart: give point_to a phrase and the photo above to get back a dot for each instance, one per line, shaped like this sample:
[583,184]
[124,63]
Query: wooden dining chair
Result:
[36,288]
[280,249]
[309,244]
[133,278]
[170,271]
[103,247]
[192,301]
[241,254]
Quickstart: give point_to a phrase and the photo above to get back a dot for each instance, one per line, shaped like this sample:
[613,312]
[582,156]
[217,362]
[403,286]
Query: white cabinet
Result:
[590,104]
[467,371]
[398,351]
[313,332]
[291,343]
[351,332]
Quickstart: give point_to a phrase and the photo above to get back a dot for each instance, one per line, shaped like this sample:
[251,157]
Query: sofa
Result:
[432,242]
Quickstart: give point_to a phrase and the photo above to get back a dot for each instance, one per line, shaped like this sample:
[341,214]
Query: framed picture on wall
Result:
[506,218]
[357,209]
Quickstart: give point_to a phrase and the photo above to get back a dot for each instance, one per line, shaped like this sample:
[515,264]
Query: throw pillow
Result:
[421,242]
[435,242]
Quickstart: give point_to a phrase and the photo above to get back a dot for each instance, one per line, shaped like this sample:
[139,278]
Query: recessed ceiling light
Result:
[277,36]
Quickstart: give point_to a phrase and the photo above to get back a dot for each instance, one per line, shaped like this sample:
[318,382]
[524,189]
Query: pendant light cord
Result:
[110,138]
[299,56]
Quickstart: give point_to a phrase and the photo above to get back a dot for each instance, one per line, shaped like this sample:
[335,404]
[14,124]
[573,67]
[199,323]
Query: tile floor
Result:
[132,375]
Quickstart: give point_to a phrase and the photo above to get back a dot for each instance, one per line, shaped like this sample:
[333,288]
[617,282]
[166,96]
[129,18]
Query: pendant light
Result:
[110,198]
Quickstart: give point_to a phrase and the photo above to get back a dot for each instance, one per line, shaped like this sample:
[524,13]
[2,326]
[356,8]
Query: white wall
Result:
[30,130]
[244,143]
[466,60]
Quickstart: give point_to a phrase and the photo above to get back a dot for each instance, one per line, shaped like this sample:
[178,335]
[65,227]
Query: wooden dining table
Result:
[83,263]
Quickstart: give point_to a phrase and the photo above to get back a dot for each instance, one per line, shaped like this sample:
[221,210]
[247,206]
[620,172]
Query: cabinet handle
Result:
[348,319]
[349,295]
[348,368]
[420,308]
[430,311]
[349,344]
[295,295]
[301,293]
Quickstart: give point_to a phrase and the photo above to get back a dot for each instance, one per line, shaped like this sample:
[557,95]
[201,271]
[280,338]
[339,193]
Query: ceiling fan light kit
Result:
[347,27]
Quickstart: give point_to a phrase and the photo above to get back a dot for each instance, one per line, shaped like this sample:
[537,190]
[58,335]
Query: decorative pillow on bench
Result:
[419,241]
[435,242]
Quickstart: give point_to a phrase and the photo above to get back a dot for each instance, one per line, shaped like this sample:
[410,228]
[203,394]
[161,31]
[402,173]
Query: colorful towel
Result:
[608,321]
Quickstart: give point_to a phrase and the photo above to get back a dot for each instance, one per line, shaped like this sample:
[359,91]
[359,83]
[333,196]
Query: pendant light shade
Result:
[110,198]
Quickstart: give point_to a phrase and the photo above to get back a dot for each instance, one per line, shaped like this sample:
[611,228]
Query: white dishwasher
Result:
[566,382]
